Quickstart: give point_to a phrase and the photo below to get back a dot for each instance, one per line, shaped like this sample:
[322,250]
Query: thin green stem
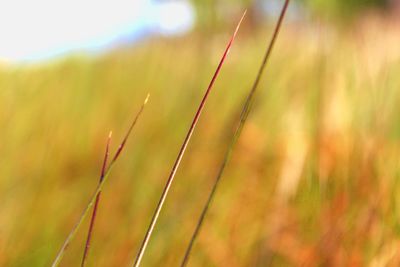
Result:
[243,117]
[170,179]
[99,187]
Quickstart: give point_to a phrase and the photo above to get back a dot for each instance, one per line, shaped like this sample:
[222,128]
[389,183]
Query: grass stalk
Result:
[178,160]
[99,187]
[239,127]
[96,204]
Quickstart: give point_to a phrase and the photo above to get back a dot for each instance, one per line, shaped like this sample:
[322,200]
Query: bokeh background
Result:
[314,179]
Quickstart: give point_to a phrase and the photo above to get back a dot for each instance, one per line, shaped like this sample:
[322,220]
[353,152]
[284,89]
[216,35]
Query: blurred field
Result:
[314,180]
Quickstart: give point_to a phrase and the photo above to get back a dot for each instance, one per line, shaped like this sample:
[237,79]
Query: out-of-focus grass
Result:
[314,179]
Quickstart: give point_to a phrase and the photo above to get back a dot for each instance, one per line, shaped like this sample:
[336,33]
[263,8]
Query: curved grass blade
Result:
[243,117]
[76,227]
[164,194]
[96,204]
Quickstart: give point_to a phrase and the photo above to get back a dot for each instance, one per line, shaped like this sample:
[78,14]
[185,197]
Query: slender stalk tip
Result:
[240,22]
[147,99]
[242,18]
[228,49]
[109,135]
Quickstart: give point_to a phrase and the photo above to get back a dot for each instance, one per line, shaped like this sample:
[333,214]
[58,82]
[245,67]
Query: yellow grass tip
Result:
[147,99]
[242,18]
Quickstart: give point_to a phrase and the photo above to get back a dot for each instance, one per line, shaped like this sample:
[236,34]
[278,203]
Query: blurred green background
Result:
[210,11]
[314,180]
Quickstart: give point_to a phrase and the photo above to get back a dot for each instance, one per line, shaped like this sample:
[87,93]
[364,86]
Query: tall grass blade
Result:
[243,117]
[96,204]
[76,227]
[164,194]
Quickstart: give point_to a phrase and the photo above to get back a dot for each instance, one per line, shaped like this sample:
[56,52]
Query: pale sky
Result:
[40,29]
